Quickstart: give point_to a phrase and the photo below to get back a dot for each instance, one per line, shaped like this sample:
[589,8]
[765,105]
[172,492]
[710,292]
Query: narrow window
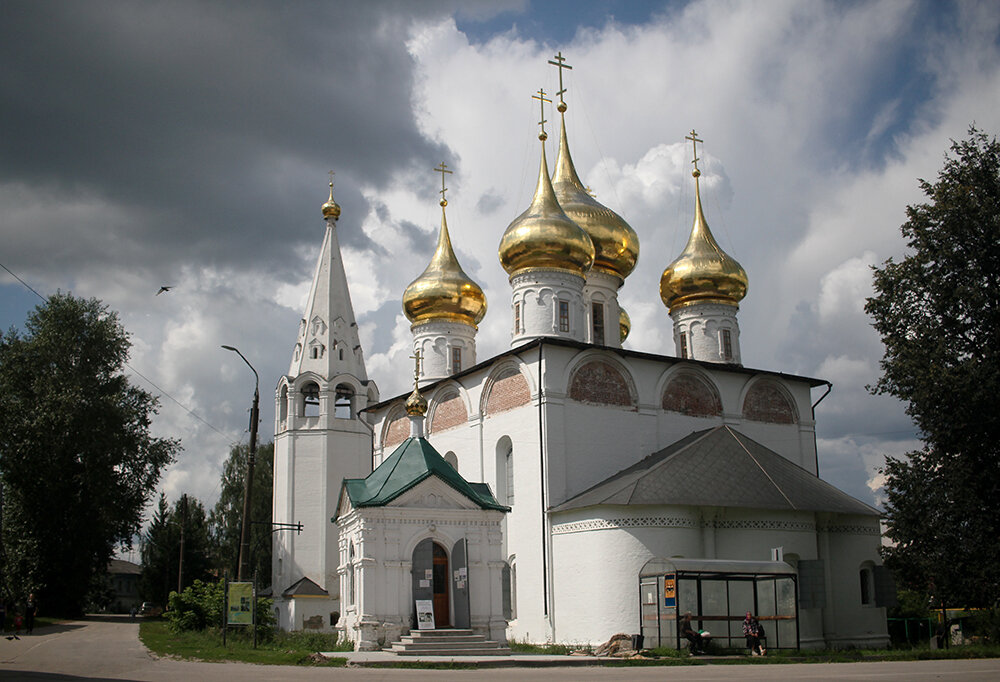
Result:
[315,352]
[727,345]
[866,586]
[517,318]
[341,353]
[509,462]
[597,312]
[564,316]
[456,360]
[350,576]
[684,344]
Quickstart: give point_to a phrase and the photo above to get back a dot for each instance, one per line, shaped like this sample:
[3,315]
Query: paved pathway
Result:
[108,648]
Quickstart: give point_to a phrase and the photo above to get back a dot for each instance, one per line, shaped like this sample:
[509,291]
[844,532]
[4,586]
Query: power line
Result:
[130,367]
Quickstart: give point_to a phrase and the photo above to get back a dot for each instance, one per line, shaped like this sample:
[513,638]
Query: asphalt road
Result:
[108,648]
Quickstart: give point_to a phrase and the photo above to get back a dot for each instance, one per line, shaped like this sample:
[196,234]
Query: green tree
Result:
[77,462]
[161,548]
[938,312]
[228,512]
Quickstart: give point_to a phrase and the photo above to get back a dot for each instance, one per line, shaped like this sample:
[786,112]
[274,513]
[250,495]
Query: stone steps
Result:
[446,643]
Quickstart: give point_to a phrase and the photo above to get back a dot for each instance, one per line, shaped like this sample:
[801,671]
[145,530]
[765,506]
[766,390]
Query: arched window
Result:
[310,400]
[343,405]
[766,402]
[283,404]
[452,459]
[505,471]
[866,578]
[509,589]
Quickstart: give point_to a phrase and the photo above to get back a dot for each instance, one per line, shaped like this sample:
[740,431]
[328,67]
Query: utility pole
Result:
[180,563]
[243,569]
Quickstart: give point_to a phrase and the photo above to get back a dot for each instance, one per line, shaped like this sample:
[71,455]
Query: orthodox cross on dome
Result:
[331,178]
[442,169]
[542,99]
[560,63]
[417,357]
[694,143]
[590,191]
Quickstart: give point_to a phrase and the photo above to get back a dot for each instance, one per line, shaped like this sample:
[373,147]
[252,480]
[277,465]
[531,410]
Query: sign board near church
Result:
[670,590]
[425,614]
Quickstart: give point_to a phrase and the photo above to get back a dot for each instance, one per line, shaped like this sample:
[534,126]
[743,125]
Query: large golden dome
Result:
[544,237]
[703,273]
[616,245]
[444,291]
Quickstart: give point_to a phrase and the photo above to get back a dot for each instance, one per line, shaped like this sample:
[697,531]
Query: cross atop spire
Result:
[416,357]
[560,63]
[542,99]
[694,142]
[331,179]
[442,169]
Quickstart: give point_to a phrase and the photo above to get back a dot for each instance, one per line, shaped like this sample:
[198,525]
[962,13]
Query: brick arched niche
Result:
[691,395]
[766,402]
[448,413]
[508,390]
[600,383]
[397,428]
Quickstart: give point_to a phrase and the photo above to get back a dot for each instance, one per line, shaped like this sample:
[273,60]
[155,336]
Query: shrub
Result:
[201,606]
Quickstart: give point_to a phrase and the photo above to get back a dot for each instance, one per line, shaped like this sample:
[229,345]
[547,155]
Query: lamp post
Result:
[244,565]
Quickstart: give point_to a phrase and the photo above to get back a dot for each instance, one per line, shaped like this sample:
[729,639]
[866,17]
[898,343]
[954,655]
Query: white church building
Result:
[566,489]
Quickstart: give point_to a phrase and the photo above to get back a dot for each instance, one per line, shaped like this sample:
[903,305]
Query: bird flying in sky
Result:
[163,289]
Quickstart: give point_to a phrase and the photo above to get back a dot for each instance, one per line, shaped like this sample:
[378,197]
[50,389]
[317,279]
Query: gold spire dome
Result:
[330,208]
[616,245]
[703,273]
[444,291]
[416,403]
[544,237]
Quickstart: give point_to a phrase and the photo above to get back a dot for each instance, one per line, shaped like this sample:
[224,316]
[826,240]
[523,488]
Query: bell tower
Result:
[320,439]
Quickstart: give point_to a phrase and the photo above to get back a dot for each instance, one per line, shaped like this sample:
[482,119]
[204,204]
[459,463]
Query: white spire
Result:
[328,342]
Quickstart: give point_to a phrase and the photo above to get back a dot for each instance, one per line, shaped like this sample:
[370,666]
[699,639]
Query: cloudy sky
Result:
[188,143]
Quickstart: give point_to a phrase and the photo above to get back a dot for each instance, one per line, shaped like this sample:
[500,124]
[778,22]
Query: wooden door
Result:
[441,611]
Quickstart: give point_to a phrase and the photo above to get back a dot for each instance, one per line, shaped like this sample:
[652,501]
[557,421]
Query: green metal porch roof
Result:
[413,461]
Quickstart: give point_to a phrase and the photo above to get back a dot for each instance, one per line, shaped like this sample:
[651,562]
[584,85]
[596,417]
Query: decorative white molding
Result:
[612,524]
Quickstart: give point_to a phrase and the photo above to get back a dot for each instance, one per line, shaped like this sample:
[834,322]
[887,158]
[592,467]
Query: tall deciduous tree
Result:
[161,549]
[77,461]
[228,512]
[938,312]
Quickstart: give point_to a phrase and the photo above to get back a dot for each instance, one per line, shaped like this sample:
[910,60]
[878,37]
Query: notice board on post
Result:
[240,604]
[670,590]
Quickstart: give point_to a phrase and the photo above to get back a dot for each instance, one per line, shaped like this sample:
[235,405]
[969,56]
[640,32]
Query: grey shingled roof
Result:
[719,467]
[304,587]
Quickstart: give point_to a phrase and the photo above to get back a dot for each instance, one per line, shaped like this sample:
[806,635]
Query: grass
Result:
[206,645]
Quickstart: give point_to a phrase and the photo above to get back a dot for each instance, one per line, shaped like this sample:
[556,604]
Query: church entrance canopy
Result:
[718,594]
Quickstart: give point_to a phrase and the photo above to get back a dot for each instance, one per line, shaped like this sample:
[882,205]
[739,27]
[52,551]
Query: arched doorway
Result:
[431,580]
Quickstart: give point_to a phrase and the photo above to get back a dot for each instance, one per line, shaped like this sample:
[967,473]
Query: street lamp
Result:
[244,565]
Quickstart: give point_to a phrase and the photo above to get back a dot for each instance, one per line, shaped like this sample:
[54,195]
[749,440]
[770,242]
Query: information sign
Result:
[670,590]
[240,604]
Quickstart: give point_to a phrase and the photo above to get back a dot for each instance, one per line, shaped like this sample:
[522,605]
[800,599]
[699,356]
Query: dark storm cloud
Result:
[204,129]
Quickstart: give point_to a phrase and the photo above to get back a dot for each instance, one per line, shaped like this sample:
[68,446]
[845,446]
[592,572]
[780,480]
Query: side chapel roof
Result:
[719,467]
[413,461]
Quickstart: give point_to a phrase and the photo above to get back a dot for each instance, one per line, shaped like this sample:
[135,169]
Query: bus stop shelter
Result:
[718,594]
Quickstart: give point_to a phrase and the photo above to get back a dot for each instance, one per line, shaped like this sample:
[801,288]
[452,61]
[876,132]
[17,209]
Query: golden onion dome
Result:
[624,324]
[703,273]
[616,245]
[330,208]
[544,237]
[444,291]
[416,404]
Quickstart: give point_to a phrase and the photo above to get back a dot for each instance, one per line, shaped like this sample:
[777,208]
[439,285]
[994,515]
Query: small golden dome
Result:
[330,208]
[703,273]
[444,291]
[616,245]
[416,404]
[624,324]
[544,237]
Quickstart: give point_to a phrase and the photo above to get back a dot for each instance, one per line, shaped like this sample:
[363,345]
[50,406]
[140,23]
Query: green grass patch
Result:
[546,649]
[206,645]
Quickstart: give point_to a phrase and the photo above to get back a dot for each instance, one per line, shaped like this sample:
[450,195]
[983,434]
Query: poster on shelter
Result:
[240,604]
[425,614]
[670,591]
